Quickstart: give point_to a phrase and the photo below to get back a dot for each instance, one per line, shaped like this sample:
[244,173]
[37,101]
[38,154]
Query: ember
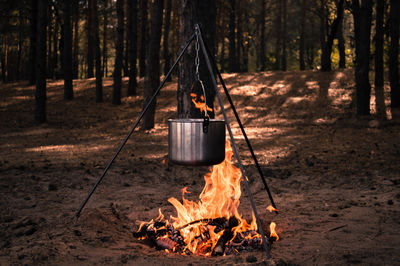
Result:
[212,225]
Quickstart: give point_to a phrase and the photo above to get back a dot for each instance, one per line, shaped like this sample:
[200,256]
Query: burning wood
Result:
[212,225]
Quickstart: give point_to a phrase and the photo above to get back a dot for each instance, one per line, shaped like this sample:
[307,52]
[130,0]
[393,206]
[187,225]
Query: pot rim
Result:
[193,120]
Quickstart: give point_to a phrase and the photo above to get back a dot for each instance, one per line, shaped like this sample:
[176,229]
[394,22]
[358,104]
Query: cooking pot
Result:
[196,141]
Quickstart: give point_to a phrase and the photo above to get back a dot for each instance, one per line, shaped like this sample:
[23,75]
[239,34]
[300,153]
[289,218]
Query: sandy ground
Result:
[335,179]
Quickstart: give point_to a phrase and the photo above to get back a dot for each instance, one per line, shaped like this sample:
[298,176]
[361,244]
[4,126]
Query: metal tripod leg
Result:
[134,126]
[242,129]
[214,82]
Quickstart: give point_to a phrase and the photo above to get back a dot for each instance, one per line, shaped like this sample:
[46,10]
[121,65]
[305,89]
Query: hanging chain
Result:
[197,59]
[197,64]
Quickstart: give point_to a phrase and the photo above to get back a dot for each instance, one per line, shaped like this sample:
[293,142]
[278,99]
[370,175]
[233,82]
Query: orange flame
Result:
[273,233]
[220,198]
[271,209]
[200,105]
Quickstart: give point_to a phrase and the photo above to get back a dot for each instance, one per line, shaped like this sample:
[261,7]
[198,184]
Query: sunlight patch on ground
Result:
[68,148]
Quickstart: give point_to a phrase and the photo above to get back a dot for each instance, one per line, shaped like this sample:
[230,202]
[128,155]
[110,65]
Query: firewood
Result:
[226,236]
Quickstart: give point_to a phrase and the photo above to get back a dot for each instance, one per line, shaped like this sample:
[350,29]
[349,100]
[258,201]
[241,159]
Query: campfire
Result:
[212,225]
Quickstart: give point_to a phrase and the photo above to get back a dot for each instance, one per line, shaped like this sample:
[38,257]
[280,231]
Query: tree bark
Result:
[331,31]
[105,36]
[394,58]
[362,13]
[341,46]
[262,52]
[119,53]
[75,63]
[90,39]
[143,37]
[231,37]
[132,28]
[67,51]
[379,93]
[32,44]
[284,35]
[40,92]
[166,53]
[200,12]
[302,35]
[99,74]
[152,79]
[278,22]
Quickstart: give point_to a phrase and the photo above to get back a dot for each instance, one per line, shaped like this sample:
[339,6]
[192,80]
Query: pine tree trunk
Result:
[379,93]
[341,46]
[394,58]
[262,52]
[166,53]
[302,35]
[152,79]
[75,63]
[67,51]
[32,44]
[278,21]
[284,36]
[105,36]
[54,57]
[362,13]
[143,37]
[99,74]
[132,28]
[125,64]
[40,92]
[119,53]
[231,37]
[200,12]
[90,39]
[238,37]
[326,61]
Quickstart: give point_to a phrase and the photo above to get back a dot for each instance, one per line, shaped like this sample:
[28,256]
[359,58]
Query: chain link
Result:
[197,64]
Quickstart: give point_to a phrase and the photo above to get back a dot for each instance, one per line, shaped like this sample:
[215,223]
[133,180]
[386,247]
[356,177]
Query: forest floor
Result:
[335,178]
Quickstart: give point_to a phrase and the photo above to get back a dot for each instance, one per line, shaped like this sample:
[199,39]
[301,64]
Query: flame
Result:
[200,105]
[270,208]
[273,233]
[219,199]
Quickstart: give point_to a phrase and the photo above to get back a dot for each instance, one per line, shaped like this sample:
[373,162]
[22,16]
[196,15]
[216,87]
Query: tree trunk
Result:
[90,39]
[125,64]
[32,44]
[362,13]
[379,93]
[278,21]
[152,79]
[119,53]
[76,39]
[105,55]
[231,37]
[196,12]
[326,61]
[54,57]
[132,29]
[67,51]
[166,54]
[99,74]
[394,58]
[143,37]
[302,35]
[284,36]
[262,52]
[40,92]
[341,46]
[238,36]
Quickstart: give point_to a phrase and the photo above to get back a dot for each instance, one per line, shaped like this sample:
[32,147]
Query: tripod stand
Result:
[210,63]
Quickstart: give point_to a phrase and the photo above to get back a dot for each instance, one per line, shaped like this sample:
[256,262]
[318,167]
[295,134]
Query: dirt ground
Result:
[335,178]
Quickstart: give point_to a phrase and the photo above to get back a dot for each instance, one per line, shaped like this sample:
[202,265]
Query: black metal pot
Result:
[193,142]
